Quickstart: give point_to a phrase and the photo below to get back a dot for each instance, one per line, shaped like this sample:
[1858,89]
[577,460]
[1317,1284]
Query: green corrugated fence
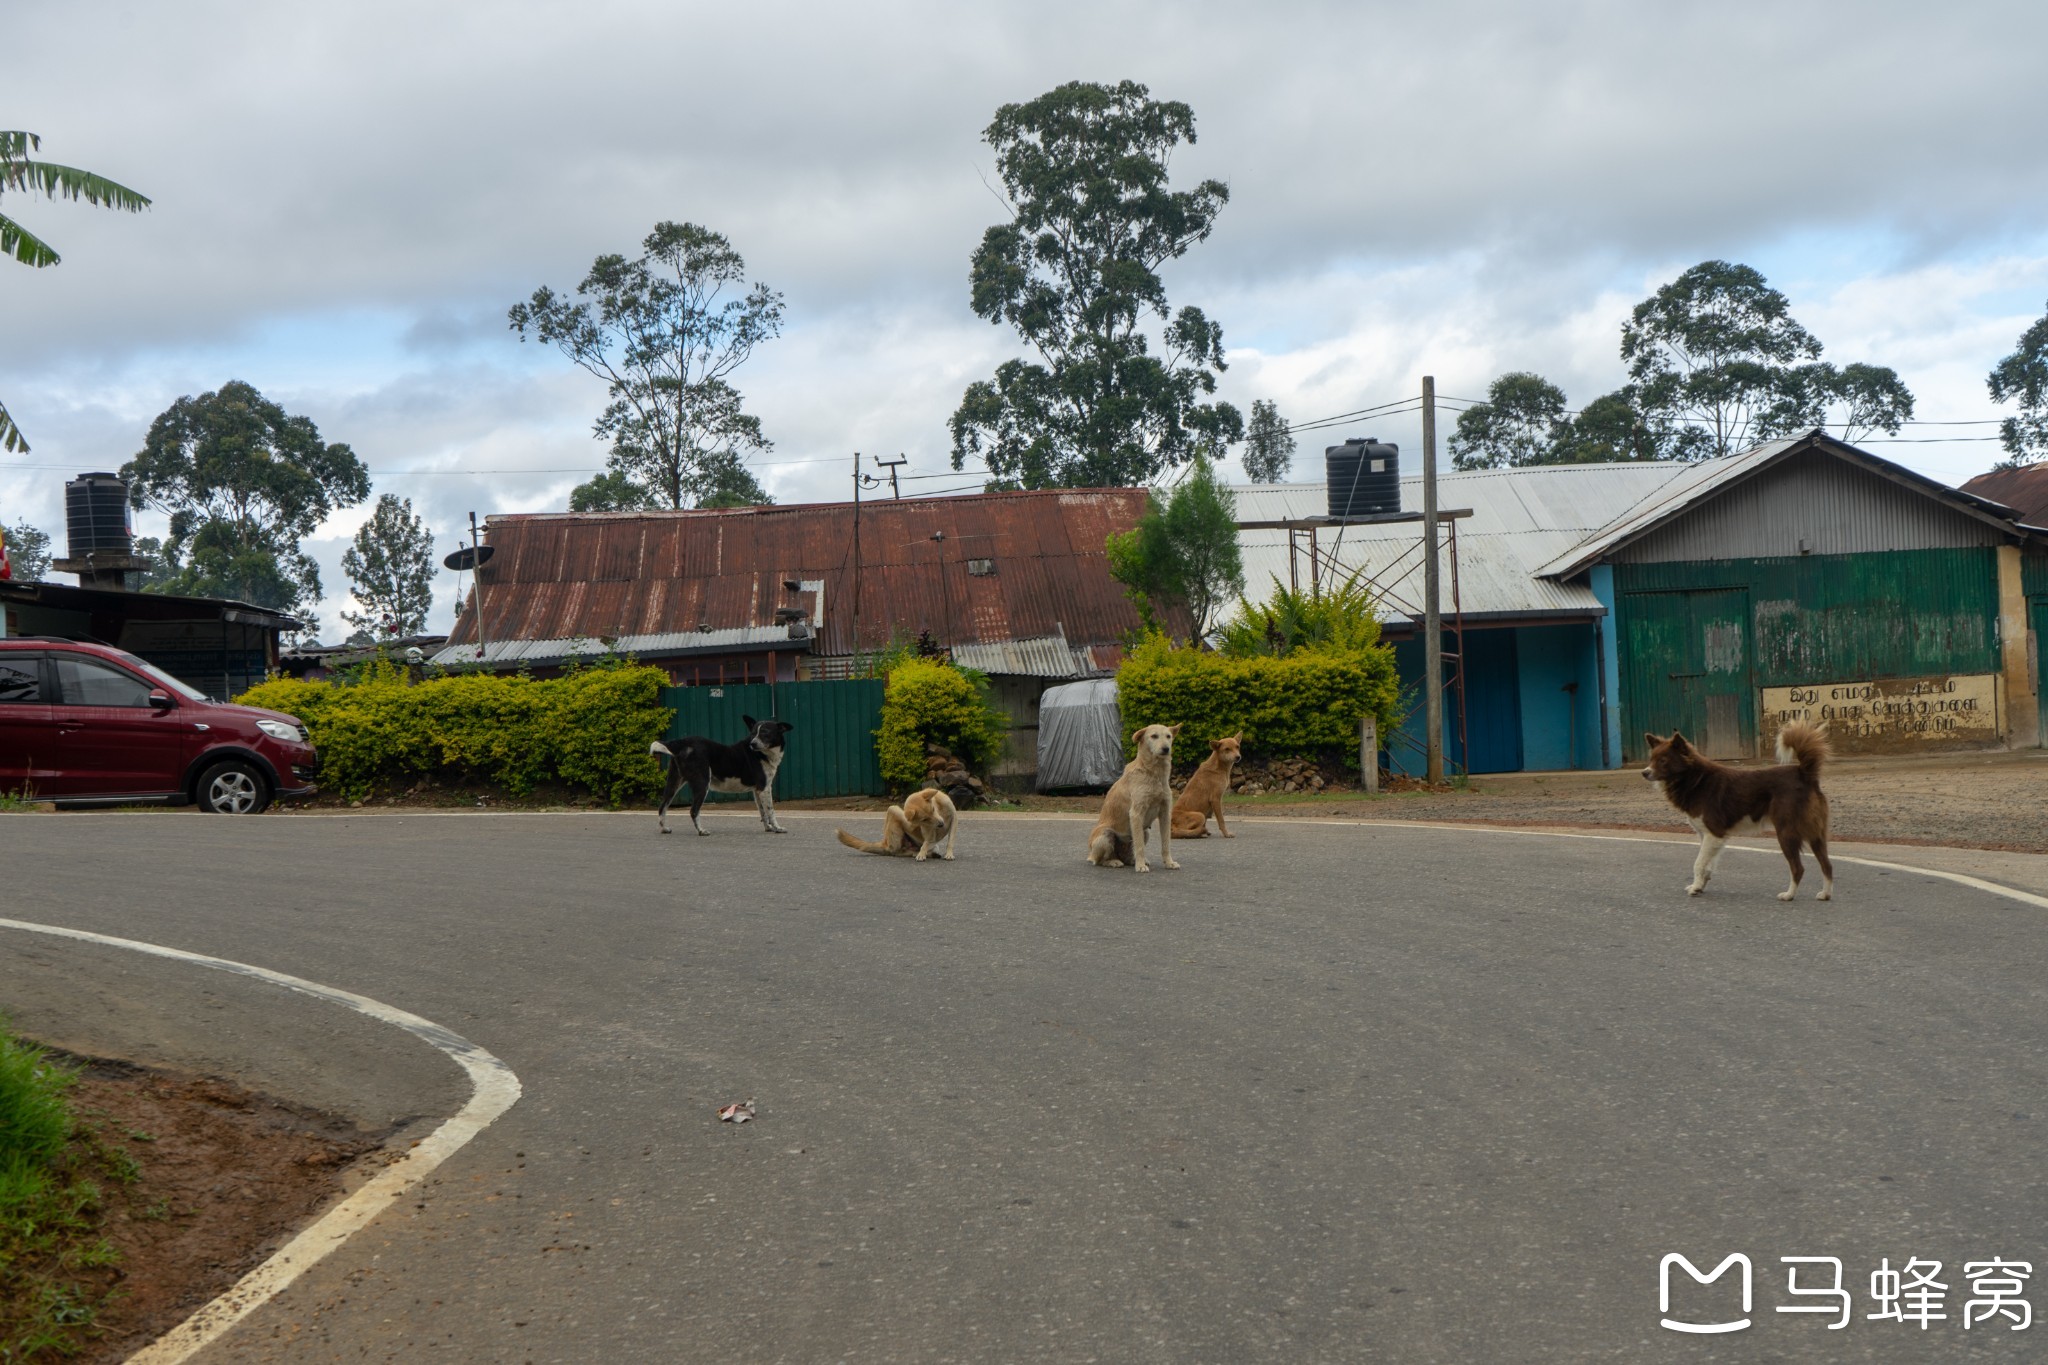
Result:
[831,743]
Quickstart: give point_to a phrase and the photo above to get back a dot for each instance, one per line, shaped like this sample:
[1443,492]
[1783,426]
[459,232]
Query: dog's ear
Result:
[786,726]
[1138,735]
[748,721]
[1654,742]
[1216,744]
[1173,730]
[1678,741]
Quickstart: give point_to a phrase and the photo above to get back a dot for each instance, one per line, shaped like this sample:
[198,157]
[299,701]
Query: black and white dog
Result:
[711,767]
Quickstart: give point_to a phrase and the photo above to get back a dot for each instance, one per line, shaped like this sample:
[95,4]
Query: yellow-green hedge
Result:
[929,701]
[588,729]
[1310,701]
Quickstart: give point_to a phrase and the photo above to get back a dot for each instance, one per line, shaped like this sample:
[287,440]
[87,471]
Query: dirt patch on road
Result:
[221,1177]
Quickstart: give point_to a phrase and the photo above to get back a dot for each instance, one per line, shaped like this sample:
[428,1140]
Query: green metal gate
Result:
[2041,664]
[831,741]
[1687,657]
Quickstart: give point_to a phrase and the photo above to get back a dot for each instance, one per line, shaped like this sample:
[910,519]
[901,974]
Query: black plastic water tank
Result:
[96,515]
[1363,477]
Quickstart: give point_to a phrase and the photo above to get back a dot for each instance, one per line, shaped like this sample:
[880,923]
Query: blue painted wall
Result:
[1517,714]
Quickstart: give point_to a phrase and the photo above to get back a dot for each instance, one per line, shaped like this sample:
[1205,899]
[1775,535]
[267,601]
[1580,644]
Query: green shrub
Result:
[1305,704]
[930,701]
[589,728]
[1336,618]
[35,1122]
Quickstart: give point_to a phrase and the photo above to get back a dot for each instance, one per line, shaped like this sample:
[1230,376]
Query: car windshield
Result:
[144,666]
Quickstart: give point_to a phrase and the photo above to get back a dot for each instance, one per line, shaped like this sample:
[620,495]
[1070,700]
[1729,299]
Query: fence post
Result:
[1369,754]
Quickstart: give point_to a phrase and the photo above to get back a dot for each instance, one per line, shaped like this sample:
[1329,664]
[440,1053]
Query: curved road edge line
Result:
[493,1090]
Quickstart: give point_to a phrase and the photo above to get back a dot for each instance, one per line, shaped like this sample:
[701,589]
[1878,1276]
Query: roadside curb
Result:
[494,1089]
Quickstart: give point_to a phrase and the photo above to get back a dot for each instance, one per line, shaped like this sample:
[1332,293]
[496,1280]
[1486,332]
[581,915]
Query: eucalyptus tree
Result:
[2022,377]
[244,483]
[21,173]
[390,568]
[665,331]
[1268,444]
[1521,422]
[1075,270]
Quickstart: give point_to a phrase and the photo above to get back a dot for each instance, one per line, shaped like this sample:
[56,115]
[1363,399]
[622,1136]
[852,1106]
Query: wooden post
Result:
[1369,754]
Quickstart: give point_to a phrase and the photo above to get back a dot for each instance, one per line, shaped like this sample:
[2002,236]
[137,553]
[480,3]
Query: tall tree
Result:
[27,551]
[1713,355]
[244,482]
[1268,444]
[664,331]
[2022,377]
[1184,550]
[1611,428]
[1521,422]
[1075,271]
[390,568]
[21,173]
[1716,362]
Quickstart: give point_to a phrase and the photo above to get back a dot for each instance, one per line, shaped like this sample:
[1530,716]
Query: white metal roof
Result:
[668,644]
[1521,519]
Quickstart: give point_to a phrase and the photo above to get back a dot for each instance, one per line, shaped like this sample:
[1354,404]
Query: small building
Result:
[220,646]
[1808,578]
[1014,584]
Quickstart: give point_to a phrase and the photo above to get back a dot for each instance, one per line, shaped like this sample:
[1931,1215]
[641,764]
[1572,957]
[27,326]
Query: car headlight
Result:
[277,729]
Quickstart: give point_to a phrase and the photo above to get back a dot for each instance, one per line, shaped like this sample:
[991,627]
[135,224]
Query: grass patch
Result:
[17,802]
[50,1208]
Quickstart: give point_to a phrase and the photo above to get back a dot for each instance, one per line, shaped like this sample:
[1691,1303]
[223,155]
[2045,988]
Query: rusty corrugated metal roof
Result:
[563,575]
[2024,490]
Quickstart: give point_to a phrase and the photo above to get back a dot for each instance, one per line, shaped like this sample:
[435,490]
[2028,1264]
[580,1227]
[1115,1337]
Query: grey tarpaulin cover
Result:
[1080,735]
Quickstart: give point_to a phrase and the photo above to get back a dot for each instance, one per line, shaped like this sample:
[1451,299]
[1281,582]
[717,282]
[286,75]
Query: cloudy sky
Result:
[348,197]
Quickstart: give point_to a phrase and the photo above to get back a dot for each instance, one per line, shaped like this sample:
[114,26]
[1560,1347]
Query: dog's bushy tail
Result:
[861,846]
[1806,745]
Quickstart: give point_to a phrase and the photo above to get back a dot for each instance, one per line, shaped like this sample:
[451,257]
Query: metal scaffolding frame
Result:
[1304,539]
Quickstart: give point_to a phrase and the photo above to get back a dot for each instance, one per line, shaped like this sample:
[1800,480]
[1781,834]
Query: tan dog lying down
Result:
[927,817]
[1203,796]
[1142,797]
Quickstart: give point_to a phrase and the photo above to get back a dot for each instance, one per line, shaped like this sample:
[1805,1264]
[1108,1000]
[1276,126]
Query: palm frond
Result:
[23,245]
[11,439]
[69,182]
[16,145]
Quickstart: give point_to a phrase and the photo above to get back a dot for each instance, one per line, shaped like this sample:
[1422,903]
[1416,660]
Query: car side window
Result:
[87,682]
[21,678]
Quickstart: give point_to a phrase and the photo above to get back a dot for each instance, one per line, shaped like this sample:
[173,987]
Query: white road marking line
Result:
[493,1090]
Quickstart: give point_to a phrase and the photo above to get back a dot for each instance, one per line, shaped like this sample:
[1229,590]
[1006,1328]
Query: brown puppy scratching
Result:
[923,820]
[1203,795]
[1142,797]
[1719,801]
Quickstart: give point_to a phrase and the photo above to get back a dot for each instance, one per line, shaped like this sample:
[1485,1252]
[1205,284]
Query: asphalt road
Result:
[1328,1093]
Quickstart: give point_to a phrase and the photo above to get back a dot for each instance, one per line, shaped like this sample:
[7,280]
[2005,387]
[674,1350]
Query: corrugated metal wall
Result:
[831,740]
[1833,506]
[1819,618]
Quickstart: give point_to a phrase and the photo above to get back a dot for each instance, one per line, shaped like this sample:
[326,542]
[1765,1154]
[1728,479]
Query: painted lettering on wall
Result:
[1881,715]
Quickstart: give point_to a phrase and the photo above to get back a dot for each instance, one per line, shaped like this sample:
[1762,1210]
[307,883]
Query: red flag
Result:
[6,569]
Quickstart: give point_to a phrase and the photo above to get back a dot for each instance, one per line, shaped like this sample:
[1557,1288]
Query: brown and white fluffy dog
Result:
[1203,795]
[1142,797]
[923,820]
[1720,801]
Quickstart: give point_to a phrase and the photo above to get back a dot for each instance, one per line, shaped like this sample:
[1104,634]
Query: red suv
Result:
[89,725]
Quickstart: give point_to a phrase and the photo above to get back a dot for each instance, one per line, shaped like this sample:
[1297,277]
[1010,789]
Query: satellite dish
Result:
[468,557]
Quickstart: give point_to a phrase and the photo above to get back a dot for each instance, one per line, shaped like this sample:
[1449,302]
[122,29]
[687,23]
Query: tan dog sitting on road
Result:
[1203,796]
[926,818]
[1142,797]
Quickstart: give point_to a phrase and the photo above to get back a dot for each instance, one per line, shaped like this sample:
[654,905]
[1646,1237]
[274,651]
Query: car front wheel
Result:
[233,788]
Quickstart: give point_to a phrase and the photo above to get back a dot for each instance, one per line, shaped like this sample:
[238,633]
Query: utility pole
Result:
[476,583]
[1432,619]
[856,555]
[892,466]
